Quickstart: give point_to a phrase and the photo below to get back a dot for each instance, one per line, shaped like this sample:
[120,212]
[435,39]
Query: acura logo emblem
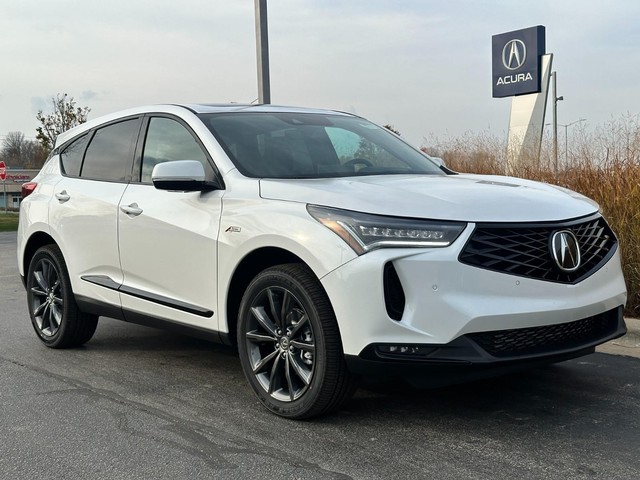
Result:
[565,250]
[514,54]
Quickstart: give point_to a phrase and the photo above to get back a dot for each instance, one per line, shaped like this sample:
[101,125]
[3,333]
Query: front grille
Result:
[547,339]
[524,250]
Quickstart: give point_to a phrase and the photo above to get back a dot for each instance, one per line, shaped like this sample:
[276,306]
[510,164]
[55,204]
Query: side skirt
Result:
[90,305]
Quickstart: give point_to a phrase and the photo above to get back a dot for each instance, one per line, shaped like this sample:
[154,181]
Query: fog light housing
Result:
[404,351]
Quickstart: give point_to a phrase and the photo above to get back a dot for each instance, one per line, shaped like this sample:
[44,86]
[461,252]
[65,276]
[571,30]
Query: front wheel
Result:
[54,313]
[289,344]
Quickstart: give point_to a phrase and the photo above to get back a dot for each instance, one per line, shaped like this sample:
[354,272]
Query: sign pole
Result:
[3,177]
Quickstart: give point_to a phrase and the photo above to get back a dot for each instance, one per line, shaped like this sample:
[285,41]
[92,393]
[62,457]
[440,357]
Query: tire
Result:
[55,316]
[289,344]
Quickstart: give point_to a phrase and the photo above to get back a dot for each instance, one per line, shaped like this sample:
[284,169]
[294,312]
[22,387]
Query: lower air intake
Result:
[550,338]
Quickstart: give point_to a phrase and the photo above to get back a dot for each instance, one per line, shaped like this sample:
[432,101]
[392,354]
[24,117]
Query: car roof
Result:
[237,107]
[195,108]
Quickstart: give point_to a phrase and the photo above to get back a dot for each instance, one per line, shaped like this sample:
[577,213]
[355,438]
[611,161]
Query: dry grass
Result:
[602,163]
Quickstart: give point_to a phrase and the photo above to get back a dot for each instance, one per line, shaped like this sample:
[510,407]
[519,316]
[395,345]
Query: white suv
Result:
[323,246]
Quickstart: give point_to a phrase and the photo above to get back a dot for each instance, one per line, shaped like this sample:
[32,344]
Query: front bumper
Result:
[446,300]
[476,356]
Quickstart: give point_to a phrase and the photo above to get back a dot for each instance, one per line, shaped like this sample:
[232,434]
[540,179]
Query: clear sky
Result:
[422,65]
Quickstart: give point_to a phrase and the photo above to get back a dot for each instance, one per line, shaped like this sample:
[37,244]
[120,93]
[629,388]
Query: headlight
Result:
[364,232]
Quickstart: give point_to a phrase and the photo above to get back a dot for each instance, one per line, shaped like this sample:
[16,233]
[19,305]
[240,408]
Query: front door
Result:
[168,239]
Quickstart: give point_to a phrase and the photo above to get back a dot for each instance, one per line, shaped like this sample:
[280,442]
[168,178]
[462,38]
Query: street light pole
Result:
[262,52]
[566,141]
[556,99]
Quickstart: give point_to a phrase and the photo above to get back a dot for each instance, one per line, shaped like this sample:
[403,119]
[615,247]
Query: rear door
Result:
[83,213]
[167,239]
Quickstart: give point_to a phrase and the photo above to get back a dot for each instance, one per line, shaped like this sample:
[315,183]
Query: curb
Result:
[627,345]
[633,329]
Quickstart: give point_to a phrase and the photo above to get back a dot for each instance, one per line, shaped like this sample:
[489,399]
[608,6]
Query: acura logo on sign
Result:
[514,54]
[565,251]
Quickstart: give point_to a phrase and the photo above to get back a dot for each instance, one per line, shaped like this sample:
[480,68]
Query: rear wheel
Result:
[290,346]
[54,313]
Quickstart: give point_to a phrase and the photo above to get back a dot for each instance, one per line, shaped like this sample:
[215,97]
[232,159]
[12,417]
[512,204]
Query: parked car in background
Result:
[322,245]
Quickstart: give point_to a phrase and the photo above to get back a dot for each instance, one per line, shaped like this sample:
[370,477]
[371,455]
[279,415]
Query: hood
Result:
[469,198]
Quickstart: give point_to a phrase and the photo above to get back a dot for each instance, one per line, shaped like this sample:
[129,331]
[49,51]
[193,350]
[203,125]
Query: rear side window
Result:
[71,156]
[110,153]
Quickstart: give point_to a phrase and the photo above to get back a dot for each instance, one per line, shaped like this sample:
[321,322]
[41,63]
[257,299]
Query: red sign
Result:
[3,171]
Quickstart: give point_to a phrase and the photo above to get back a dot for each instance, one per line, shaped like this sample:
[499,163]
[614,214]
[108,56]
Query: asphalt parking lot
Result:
[141,403]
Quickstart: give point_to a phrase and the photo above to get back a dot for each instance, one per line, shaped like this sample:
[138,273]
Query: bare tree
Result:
[19,152]
[392,129]
[12,146]
[65,116]
[34,154]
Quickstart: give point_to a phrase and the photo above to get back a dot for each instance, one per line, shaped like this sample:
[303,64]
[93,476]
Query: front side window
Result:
[110,153]
[168,140]
[313,145]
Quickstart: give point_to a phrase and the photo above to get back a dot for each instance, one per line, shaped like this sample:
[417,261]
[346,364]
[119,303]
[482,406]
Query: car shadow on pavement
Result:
[584,384]
[580,384]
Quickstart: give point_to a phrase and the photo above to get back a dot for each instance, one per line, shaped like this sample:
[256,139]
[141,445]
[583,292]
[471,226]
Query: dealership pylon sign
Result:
[517,61]
[521,69]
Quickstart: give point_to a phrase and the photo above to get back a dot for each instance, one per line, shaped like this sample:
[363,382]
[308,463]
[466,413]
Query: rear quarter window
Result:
[71,156]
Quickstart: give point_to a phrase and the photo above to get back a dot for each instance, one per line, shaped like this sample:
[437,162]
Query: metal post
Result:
[566,146]
[555,122]
[262,52]
[566,141]
[556,99]
[4,191]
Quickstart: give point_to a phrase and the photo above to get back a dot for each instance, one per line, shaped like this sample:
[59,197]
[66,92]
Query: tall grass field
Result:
[602,163]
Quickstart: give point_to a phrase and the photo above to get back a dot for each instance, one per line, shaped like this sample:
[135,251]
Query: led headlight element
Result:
[364,232]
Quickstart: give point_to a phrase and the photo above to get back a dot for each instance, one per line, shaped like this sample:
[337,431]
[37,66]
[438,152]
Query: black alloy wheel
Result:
[289,344]
[54,313]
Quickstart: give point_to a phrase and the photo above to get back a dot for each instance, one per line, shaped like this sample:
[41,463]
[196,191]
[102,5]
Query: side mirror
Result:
[181,175]
[442,165]
[438,161]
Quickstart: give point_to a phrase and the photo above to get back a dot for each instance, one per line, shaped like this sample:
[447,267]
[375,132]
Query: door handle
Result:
[131,209]
[63,196]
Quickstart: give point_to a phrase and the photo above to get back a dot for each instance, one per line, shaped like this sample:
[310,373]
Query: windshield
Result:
[313,145]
